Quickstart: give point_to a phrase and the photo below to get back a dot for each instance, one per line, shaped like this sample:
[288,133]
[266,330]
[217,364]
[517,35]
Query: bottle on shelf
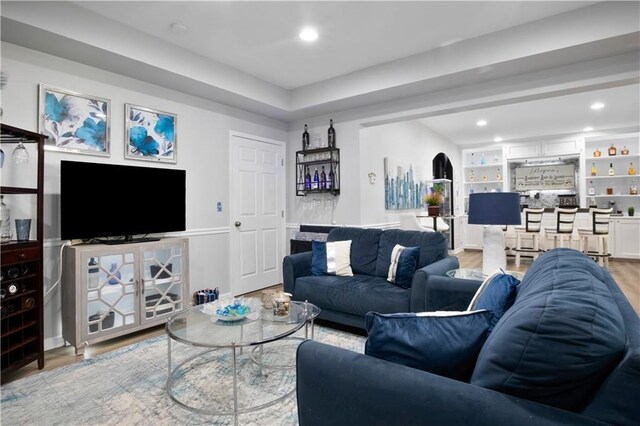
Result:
[323,179]
[472,161]
[597,153]
[611,171]
[594,170]
[592,190]
[483,161]
[316,180]
[484,177]
[498,175]
[5,217]
[633,189]
[331,135]
[632,170]
[624,150]
[485,189]
[305,138]
[307,179]
[612,150]
[331,178]
[496,160]
[472,177]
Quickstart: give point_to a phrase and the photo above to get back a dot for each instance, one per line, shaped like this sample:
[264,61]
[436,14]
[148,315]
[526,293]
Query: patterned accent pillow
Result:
[404,261]
[332,258]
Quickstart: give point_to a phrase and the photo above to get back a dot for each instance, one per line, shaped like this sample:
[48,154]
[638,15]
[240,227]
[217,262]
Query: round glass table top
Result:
[476,274]
[196,328]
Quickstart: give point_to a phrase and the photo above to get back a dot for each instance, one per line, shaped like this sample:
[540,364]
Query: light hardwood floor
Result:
[626,274]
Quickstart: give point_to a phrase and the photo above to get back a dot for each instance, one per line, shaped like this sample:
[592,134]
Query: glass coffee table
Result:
[476,274]
[220,380]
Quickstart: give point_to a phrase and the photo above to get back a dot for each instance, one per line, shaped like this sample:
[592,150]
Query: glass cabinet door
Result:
[111,289]
[163,281]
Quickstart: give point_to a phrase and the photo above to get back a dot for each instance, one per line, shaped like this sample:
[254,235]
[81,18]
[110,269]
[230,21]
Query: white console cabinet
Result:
[112,290]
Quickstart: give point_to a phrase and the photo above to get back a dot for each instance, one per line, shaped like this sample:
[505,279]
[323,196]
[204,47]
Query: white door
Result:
[257,212]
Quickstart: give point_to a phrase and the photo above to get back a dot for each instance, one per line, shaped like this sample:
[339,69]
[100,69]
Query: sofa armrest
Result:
[294,266]
[419,284]
[449,294]
[340,387]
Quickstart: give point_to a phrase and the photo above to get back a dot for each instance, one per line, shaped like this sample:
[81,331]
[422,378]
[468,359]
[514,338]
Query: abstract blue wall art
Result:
[74,122]
[150,134]
[404,186]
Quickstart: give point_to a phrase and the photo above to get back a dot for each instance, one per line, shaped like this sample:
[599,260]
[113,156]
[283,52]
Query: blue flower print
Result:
[164,127]
[93,134]
[142,143]
[54,109]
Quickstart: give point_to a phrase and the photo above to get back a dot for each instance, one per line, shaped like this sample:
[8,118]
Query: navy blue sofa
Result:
[566,353]
[346,300]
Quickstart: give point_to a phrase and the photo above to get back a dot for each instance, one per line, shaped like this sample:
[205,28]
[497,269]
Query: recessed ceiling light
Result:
[481,123]
[178,28]
[308,34]
[497,139]
[588,129]
[597,105]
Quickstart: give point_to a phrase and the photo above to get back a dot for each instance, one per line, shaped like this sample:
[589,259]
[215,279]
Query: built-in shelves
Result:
[613,177]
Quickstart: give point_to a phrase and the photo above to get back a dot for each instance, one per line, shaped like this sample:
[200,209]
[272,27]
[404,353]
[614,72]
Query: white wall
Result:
[202,150]
[404,142]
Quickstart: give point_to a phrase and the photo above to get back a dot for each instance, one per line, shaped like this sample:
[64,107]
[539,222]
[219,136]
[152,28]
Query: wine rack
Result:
[21,284]
[310,161]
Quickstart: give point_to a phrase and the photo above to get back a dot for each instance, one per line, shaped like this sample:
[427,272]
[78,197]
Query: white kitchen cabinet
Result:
[472,235]
[543,149]
[112,290]
[524,150]
[625,243]
[550,149]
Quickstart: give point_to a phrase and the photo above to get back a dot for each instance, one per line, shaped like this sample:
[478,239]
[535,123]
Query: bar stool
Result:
[564,227]
[531,229]
[599,231]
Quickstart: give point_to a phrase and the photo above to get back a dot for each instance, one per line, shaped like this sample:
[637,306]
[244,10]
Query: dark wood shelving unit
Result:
[22,331]
[318,157]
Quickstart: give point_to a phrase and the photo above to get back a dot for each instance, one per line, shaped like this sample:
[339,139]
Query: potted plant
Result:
[433,199]
[631,211]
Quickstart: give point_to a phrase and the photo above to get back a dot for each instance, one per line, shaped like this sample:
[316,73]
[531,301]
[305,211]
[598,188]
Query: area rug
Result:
[127,386]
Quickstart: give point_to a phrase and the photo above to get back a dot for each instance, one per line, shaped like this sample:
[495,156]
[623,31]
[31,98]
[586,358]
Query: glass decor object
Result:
[94,274]
[624,150]
[597,153]
[20,154]
[482,160]
[5,221]
[23,229]
[594,170]
[612,150]
[331,135]
[632,170]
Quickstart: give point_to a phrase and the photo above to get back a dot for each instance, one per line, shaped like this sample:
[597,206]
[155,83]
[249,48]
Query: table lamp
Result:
[494,209]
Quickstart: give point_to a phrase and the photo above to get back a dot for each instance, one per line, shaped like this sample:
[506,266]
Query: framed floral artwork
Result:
[150,134]
[74,122]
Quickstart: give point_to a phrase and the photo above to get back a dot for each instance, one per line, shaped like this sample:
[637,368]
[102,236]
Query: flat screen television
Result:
[106,200]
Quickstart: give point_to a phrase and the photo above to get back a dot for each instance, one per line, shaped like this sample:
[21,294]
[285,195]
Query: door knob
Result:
[238,223]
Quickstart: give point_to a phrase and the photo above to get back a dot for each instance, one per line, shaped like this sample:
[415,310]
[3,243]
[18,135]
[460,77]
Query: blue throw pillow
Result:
[404,261]
[442,343]
[496,294]
[332,258]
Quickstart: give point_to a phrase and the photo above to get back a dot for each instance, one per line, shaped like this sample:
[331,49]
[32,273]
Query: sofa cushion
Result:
[442,343]
[331,258]
[433,247]
[403,264]
[355,295]
[496,294]
[560,339]
[364,247]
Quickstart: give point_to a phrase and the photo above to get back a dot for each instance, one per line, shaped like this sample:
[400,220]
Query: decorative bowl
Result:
[227,311]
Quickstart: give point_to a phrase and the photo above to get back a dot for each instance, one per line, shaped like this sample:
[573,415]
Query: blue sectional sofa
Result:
[346,300]
[566,353]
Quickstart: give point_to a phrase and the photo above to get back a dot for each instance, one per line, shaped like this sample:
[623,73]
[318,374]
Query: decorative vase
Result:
[115,274]
[433,210]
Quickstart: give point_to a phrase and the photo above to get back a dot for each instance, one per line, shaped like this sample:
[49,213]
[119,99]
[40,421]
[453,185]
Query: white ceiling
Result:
[542,62]
[261,38]
[560,115]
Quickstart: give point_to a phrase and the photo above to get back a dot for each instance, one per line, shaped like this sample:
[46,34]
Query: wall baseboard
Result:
[53,342]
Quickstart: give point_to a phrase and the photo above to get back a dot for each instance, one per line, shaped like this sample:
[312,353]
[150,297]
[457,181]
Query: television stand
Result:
[129,240]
